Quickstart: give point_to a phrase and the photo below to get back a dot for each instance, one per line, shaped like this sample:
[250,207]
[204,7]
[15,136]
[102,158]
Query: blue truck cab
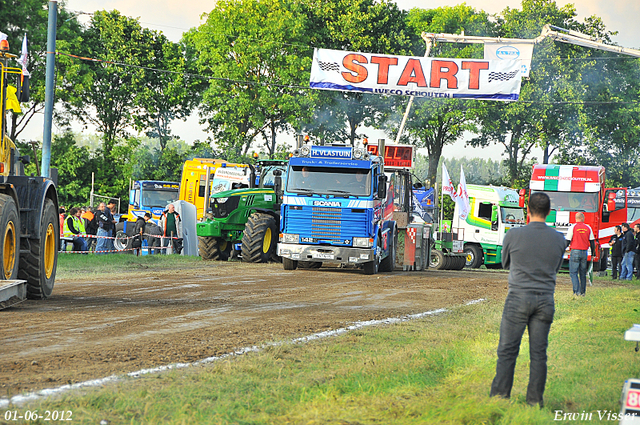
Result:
[337,208]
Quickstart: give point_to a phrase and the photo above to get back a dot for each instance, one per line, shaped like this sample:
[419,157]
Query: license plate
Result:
[323,256]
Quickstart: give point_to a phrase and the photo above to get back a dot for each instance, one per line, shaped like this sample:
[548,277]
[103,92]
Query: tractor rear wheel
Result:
[214,248]
[10,243]
[260,238]
[38,267]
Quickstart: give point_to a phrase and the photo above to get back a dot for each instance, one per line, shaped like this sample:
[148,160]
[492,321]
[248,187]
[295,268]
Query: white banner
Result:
[447,185]
[510,51]
[463,197]
[416,76]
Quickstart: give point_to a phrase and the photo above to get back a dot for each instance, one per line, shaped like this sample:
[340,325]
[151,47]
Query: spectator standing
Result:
[616,252]
[74,228]
[105,224]
[138,231]
[628,252]
[581,239]
[91,227]
[636,258]
[62,214]
[533,255]
[171,225]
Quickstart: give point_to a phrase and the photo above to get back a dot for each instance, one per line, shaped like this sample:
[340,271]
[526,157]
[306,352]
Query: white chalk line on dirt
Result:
[24,398]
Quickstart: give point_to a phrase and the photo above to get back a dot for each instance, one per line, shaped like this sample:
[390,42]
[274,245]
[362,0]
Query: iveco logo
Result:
[508,52]
[326,203]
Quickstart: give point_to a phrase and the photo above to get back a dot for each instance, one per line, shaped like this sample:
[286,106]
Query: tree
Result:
[20,17]
[548,112]
[119,90]
[433,123]
[254,52]
[362,26]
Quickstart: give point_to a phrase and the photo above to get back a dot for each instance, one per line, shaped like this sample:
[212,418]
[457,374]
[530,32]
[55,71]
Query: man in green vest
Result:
[171,225]
[74,228]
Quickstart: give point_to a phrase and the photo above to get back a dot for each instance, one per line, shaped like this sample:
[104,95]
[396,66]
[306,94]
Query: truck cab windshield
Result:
[158,198]
[574,201]
[329,181]
[512,215]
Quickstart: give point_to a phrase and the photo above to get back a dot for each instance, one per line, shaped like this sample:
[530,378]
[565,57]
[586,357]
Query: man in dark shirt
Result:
[628,252]
[616,252]
[533,255]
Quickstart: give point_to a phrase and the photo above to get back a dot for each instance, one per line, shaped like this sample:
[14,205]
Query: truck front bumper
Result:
[328,254]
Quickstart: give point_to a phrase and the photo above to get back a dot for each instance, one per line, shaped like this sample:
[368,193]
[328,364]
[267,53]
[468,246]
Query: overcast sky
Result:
[175,17]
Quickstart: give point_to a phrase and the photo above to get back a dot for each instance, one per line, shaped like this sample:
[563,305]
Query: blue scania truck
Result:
[337,207]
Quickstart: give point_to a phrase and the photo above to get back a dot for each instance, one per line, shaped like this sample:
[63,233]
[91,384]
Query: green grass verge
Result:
[77,265]
[432,371]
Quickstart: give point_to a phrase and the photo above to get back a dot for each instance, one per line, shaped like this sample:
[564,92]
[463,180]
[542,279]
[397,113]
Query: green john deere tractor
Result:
[244,221]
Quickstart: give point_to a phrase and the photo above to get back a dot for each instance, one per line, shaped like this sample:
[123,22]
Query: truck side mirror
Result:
[522,194]
[611,202]
[382,186]
[132,198]
[494,213]
[277,182]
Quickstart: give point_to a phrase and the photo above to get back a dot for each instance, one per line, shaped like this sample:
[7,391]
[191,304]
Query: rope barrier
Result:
[84,235]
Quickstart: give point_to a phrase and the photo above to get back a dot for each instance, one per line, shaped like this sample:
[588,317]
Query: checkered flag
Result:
[329,66]
[502,76]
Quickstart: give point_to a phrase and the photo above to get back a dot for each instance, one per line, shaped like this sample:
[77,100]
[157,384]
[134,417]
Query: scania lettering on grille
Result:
[326,204]
[330,152]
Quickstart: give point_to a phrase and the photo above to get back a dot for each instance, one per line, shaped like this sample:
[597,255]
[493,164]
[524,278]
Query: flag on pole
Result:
[463,197]
[447,184]
[24,57]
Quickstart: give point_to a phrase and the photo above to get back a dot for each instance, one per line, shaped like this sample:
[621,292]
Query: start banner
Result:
[416,76]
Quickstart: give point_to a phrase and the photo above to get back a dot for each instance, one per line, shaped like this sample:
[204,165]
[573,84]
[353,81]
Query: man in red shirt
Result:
[581,237]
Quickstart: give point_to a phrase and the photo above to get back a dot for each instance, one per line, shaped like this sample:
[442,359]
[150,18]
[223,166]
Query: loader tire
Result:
[259,239]
[10,244]
[38,266]
[214,248]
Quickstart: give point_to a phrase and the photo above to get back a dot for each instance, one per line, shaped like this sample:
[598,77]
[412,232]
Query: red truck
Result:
[574,189]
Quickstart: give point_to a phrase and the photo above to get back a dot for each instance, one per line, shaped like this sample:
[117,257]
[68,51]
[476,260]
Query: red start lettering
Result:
[474,71]
[444,70]
[413,73]
[383,67]
[358,72]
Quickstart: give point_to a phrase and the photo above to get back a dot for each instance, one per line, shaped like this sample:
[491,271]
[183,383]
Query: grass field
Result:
[435,370]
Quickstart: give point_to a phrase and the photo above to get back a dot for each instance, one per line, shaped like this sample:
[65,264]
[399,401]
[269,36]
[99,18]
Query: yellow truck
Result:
[203,176]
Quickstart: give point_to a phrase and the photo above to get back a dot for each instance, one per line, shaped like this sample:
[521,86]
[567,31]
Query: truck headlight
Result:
[358,153]
[305,150]
[290,238]
[220,200]
[363,242]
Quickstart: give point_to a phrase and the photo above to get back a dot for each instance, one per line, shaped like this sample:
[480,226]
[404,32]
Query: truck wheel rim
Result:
[222,245]
[9,250]
[266,243]
[49,251]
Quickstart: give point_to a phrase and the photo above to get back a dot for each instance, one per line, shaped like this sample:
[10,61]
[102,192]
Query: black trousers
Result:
[532,310]
[616,263]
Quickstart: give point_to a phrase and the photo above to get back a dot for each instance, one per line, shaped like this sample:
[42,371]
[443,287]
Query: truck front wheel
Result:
[474,256]
[260,238]
[289,264]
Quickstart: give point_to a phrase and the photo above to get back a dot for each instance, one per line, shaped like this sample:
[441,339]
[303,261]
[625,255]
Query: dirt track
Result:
[141,319]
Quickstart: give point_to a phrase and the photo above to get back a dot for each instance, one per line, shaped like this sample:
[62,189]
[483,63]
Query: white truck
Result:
[494,210]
